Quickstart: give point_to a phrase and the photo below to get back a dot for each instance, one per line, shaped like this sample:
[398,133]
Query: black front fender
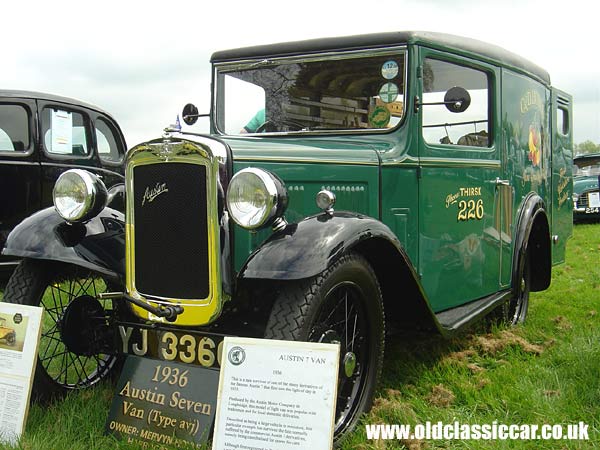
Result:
[307,248]
[98,244]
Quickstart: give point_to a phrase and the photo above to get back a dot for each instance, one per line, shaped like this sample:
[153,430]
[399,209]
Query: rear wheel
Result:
[342,305]
[514,311]
[75,344]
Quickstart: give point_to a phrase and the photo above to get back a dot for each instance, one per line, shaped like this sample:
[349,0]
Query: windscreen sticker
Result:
[389,70]
[388,92]
[379,117]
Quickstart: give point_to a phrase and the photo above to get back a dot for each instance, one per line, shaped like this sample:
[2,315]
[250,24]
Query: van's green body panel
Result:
[415,188]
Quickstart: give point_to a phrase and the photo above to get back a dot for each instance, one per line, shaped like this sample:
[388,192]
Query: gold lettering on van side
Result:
[563,183]
[536,177]
[530,100]
[451,199]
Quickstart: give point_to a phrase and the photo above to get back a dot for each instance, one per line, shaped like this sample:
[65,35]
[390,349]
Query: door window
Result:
[14,128]
[108,143]
[441,126]
[65,132]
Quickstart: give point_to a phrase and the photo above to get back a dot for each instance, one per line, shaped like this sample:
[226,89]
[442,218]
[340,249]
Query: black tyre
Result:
[343,304]
[514,311]
[75,337]
[11,339]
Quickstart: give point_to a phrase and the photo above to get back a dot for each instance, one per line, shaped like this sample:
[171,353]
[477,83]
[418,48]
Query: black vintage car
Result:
[41,136]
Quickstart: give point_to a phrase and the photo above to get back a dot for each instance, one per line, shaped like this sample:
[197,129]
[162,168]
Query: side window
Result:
[562,121]
[65,132]
[108,146]
[14,128]
[440,126]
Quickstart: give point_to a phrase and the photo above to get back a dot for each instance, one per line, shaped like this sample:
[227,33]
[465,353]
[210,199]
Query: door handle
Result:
[499,182]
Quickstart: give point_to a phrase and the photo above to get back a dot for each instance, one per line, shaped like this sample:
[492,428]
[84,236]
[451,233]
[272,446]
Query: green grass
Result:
[544,372]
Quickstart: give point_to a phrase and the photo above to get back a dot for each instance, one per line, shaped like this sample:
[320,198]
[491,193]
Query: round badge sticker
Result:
[236,355]
[379,117]
[388,92]
[389,70]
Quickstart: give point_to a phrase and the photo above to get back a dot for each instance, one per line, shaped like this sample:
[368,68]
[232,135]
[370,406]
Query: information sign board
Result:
[276,395]
[159,402]
[19,339]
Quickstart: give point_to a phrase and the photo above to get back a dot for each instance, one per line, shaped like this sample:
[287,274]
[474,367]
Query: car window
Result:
[357,91]
[65,132]
[440,126]
[14,128]
[108,147]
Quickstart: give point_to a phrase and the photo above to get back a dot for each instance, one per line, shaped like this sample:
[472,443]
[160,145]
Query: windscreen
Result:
[344,92]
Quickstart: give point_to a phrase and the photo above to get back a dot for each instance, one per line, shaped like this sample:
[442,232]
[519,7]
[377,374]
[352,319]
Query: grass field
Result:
[544,372]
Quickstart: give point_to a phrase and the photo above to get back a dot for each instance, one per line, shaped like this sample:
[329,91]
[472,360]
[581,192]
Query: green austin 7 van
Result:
[400,180]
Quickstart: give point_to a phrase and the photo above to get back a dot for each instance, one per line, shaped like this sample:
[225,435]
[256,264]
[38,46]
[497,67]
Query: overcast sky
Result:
[143,60]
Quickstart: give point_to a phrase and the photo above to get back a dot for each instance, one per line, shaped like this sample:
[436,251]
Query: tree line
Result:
[586,147]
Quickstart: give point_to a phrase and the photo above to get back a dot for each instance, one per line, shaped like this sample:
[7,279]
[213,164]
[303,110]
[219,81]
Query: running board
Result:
[454,319]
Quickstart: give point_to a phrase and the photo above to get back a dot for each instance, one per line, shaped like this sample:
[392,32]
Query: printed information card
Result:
[19,338]
[276,395]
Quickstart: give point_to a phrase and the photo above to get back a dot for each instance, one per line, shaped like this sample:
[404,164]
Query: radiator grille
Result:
[170,230]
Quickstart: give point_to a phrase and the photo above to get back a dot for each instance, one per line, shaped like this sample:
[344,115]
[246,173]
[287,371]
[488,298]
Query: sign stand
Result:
[20,327]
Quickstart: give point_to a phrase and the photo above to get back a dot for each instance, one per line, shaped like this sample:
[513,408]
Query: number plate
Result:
[168,344]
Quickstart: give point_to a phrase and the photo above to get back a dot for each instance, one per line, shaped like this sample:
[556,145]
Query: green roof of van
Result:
[467,46]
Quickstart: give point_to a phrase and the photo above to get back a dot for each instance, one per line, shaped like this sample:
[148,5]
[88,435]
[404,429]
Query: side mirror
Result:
[457,99]
[190,114]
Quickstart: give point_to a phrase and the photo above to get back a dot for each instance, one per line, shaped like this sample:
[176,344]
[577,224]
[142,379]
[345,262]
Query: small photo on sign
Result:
[13,329]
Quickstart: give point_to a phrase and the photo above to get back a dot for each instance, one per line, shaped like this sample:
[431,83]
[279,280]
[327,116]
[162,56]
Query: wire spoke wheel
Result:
[343,305]
[342,320]
[70,369]
[74,350]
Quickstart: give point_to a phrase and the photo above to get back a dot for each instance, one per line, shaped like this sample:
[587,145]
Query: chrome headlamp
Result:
[256,198]
[79,195]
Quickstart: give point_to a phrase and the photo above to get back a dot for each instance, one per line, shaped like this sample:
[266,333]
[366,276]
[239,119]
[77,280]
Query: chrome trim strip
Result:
[460,162]
[304,160]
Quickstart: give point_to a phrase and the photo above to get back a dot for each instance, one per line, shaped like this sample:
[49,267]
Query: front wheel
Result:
[74,350]
[341,305]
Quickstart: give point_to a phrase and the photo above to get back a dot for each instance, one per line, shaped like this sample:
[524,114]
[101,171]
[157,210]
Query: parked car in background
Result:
[41,136]
[586,178]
